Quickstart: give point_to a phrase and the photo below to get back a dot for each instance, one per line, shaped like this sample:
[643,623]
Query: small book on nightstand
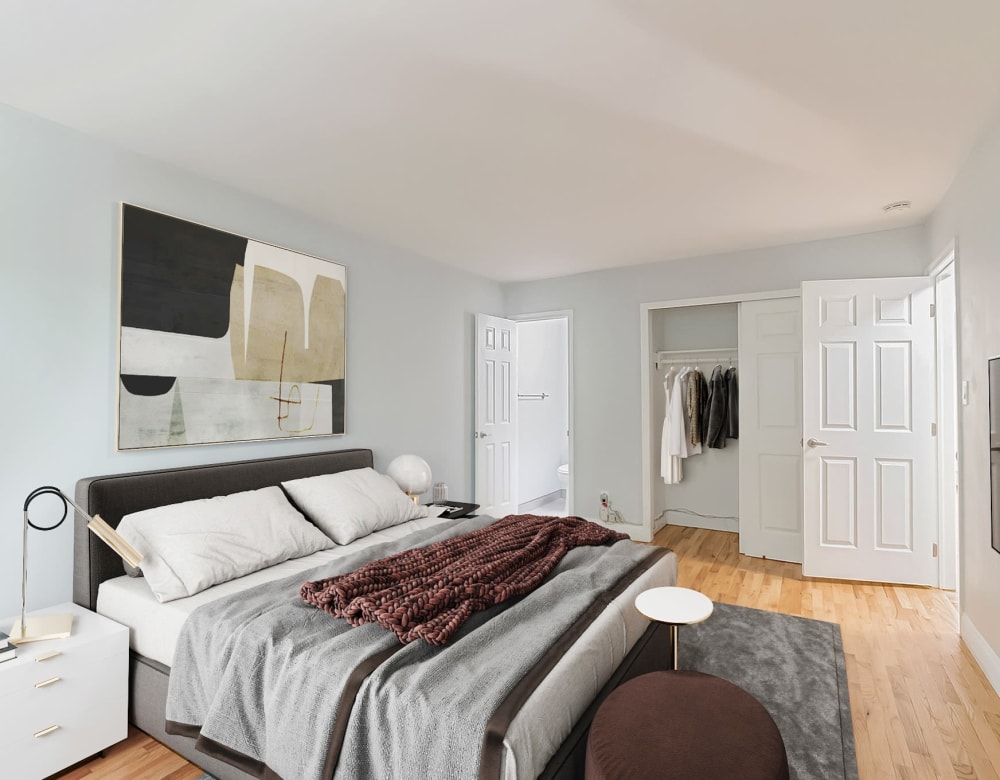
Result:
[7,653]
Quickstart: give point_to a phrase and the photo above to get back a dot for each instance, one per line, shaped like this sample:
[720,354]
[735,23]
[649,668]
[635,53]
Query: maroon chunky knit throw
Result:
[428,593]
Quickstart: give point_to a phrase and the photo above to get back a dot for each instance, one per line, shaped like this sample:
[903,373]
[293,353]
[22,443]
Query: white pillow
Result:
[193,545]
[352,504]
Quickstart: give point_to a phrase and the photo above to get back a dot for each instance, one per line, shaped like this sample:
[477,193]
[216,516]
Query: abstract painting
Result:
[223,338]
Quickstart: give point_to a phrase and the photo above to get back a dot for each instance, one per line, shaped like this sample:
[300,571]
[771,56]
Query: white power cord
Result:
[683,511]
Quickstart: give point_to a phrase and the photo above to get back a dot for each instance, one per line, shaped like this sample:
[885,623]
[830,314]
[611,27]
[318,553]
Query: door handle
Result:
[817,443]
[481,435]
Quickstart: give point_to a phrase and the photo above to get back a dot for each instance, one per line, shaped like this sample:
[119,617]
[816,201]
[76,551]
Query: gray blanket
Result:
[263,674]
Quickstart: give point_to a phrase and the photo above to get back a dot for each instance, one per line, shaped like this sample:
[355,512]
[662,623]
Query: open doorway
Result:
[544,428]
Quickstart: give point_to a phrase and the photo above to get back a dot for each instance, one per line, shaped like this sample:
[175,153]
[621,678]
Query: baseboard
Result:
[527,506]
[708,523]
[987,657]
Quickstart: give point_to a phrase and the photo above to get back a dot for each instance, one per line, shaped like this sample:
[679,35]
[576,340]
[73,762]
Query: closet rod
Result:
[683,355]
[688,361]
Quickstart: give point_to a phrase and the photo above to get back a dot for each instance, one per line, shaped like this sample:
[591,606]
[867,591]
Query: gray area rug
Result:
[794,667]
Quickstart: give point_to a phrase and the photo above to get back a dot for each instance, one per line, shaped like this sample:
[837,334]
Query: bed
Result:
[617,646]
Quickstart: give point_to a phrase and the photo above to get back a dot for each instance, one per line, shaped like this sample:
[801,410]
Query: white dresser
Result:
[63,700]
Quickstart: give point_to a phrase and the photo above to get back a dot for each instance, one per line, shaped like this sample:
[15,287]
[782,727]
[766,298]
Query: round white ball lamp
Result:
[412,474]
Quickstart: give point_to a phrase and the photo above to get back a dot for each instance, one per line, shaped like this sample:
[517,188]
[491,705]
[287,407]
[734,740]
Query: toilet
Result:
[564,477]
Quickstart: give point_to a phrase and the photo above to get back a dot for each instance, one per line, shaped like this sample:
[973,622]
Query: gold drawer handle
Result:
[49,681]
[45,732]
[47,656]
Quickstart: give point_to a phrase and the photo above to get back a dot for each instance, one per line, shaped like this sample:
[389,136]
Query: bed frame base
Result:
[652,653]
[148,700]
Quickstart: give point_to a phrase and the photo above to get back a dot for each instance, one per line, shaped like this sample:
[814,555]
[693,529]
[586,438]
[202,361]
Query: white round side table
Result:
[675,607]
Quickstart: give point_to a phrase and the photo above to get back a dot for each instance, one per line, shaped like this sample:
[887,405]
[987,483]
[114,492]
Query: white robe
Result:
[670,464]
[677,412]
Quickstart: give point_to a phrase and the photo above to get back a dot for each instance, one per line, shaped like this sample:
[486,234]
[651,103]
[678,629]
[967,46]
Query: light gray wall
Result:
[409,332]
[711,483]
[968,215]
[542,444]
[606,392]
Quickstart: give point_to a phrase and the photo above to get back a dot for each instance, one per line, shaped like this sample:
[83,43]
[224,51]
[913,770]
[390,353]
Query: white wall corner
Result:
[637,533]
[987,657]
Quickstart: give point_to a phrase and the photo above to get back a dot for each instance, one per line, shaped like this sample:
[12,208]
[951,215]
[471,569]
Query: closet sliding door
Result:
[770,360]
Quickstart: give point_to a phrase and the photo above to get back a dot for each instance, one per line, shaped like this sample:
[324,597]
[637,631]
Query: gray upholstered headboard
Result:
[116,495]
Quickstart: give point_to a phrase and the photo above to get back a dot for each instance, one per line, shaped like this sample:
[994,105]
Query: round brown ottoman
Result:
[683,725]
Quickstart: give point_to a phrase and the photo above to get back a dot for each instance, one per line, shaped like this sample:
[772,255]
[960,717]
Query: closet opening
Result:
[745,477]
[694,391]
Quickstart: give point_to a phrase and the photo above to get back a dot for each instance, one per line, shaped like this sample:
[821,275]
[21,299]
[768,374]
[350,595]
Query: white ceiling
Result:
[522,139]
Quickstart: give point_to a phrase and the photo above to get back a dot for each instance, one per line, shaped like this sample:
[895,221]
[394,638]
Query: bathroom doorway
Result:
[544,413]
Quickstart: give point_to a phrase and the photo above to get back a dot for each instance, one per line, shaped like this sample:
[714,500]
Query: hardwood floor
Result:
[139,757]
[921,706]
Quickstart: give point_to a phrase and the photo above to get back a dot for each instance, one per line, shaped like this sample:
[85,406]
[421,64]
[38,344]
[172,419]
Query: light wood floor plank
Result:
[920,705]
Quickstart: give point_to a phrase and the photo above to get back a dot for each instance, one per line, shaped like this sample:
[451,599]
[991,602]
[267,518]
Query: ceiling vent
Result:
[897,207]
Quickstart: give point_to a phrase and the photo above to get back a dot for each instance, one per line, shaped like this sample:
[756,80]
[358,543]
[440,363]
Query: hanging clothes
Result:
[718,424]
[679,423]
[688,387]
[670,465]
[706,408]
[697,388]
[732,403]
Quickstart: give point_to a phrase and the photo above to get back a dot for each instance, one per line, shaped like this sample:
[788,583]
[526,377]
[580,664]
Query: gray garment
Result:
[262,672]
[732,403]
[715,431]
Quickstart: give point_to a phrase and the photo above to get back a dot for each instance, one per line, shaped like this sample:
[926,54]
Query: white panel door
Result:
[869,456]
[496,415]
[770,375]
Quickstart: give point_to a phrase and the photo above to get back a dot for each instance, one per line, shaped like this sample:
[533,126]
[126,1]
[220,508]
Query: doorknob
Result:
[481,435]
[817,443]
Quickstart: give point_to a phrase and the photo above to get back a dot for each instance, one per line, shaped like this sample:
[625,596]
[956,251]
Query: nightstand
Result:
[63,699]
[675,607]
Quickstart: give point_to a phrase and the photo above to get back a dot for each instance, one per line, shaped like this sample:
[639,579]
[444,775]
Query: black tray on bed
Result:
[458,509]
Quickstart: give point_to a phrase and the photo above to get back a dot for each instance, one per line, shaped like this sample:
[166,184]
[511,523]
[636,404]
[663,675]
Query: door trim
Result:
[949,526]
[645,363]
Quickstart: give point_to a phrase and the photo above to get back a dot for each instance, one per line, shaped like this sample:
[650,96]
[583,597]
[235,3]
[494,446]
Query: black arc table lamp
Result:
[59,626]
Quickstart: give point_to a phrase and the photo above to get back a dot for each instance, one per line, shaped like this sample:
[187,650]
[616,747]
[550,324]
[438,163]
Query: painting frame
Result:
[223,338]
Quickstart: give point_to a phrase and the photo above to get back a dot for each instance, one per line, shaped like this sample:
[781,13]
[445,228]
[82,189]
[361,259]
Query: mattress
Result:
[539,728]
